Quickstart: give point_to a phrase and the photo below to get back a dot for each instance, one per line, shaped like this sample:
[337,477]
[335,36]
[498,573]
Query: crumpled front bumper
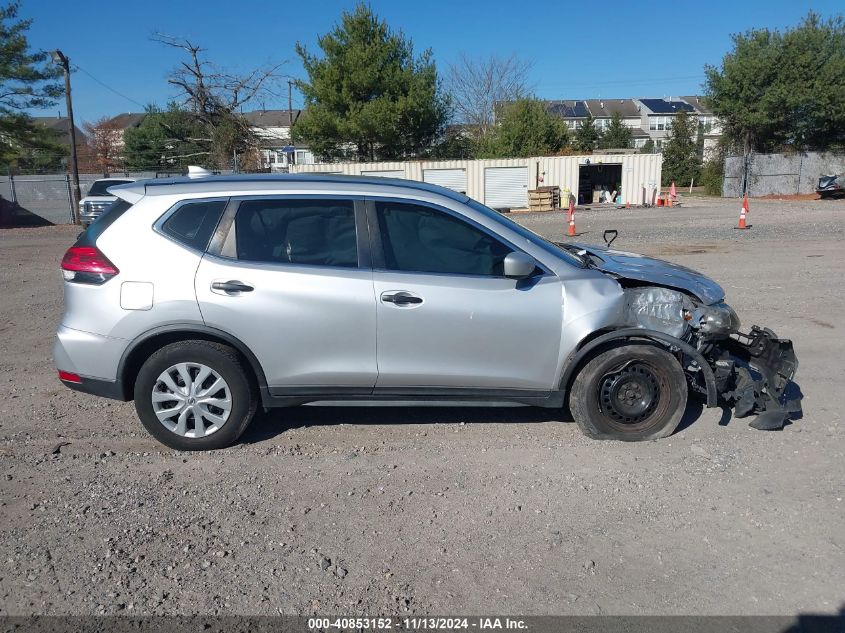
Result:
[771,358]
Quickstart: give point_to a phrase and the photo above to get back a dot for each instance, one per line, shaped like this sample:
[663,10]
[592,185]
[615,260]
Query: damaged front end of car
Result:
[751,370]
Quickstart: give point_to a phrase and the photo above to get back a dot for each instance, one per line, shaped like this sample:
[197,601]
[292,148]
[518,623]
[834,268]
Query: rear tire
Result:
[195,395]
[630,393]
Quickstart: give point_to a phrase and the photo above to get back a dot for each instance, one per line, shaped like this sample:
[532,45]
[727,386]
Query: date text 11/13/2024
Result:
[417,623]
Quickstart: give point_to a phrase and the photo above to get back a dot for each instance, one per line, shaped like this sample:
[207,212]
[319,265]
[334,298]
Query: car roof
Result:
[249,183]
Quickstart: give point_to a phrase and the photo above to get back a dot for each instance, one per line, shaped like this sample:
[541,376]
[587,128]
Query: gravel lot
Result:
[347,511]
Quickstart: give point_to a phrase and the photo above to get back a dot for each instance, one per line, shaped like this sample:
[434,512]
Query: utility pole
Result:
[290,106]
[64,62]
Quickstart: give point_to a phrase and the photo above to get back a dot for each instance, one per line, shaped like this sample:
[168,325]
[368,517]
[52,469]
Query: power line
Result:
[107,87]
[598,83]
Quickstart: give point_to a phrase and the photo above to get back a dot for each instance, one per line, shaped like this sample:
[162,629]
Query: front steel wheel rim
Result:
[630,395]
[191,400]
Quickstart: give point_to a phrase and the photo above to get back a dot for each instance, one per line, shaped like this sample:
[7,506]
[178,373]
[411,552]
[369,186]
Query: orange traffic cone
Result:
[571,231]
[742,213]
[669,201]
[628,204]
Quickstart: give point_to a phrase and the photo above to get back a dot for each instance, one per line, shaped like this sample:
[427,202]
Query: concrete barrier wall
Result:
[780,174]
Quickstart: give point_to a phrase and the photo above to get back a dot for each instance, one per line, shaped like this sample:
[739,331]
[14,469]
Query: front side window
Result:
[193,223]
[417,238]
[314,232]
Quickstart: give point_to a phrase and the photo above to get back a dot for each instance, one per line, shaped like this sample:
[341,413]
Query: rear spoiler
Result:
[131,192]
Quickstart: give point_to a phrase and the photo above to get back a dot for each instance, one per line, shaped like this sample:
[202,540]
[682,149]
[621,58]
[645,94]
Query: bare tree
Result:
[476,86]
[215,97]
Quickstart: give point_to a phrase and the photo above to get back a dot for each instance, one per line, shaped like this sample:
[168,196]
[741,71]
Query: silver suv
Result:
[204,298]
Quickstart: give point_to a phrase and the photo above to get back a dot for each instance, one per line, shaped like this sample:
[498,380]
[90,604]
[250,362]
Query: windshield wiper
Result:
[582,255]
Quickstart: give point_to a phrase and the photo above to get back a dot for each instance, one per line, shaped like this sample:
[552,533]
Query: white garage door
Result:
[506,187]
[388,173]
[455,179]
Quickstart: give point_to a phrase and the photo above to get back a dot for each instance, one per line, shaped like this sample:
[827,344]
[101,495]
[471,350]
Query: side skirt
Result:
[271,398]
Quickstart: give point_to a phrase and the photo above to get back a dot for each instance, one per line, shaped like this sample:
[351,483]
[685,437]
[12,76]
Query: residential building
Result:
[649,119]
[118,125]
[272,127]
[602,110]
[657,116]
[709,125]
[572,112]
[61,124]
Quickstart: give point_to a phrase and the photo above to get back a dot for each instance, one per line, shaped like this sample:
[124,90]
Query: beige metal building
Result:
[504,183]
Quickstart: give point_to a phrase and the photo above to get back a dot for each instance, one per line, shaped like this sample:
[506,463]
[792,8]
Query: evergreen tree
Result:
[681,161]
[168,139]
[27,80]
[525,128]
[783,89]
[586,136]
[368,96]
[617,135]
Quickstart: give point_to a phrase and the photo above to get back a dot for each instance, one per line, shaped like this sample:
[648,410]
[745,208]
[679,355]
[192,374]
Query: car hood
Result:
[656,271]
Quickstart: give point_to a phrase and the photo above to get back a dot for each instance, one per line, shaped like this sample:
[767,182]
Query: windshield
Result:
[528,234]
[99,187]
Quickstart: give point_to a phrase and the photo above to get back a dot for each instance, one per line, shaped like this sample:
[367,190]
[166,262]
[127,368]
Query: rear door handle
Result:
[401,298]
[231,286]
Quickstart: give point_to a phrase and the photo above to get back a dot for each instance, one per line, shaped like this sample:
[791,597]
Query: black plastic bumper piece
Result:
[774,358]
[95,386]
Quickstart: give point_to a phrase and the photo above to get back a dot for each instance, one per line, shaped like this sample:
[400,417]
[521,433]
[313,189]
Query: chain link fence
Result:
[37,200]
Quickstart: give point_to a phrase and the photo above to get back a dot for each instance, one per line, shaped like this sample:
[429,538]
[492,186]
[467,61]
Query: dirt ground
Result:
[334,510]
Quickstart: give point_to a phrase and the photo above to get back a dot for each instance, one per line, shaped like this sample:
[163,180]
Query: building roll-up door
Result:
[455,179]
[506,187]
[387,173]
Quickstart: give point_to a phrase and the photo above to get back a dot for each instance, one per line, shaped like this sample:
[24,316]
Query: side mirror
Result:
[519,265]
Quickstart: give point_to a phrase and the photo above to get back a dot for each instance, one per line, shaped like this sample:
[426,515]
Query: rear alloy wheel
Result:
[191,400]
[629,393]
[195,395]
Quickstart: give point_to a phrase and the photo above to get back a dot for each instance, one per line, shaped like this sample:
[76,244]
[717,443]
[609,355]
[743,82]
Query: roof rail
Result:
[195,171]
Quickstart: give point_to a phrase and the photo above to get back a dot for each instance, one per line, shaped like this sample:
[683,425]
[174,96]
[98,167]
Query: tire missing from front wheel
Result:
[195,395]
[630,393]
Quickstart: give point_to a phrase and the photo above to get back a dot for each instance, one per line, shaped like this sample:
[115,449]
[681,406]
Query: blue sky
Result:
[579,49]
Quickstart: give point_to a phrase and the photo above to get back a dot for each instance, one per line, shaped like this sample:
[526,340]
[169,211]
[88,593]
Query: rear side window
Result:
[421,239]
[314,232]
[193,223]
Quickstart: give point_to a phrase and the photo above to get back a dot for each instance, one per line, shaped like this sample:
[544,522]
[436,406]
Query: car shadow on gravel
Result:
[275,422]
[270,424]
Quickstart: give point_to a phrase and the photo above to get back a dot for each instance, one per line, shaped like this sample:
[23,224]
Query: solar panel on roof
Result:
[661,106]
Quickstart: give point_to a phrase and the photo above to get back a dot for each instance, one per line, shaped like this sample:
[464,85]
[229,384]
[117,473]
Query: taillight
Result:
[87,265]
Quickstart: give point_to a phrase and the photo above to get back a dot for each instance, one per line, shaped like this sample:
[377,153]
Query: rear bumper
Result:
[92,357]
[98,387]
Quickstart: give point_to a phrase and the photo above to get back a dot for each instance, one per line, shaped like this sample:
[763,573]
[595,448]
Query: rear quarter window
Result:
[193,223]
[89,236]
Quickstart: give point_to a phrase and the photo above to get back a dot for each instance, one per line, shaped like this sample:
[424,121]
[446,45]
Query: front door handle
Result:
[231,286]
[401,298]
